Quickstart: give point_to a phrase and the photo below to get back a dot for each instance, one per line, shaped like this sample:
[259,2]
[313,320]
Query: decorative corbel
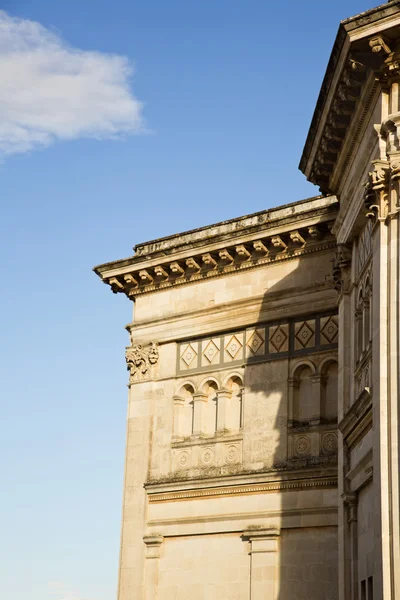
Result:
[192,264]
[145,276]
[160,272]
[129,278]
[314,232]
[278,242]
[225,256]
[116,285]
[242,252]
[378,44]
[209,260]
[260,247]
[176,269]
[297,238]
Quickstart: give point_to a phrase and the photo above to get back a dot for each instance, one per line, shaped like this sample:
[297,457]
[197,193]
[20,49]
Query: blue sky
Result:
[209,125]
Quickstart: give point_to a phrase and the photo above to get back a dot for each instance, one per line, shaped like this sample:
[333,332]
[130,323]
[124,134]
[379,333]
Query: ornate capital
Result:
[140,360]
[376,190]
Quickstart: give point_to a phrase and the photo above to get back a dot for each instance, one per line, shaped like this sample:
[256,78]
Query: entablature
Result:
[296,233]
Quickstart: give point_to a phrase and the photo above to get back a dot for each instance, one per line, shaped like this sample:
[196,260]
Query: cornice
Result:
[234,490]
[347,96]
[234,257]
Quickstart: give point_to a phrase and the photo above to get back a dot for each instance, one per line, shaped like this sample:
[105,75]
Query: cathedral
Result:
[262,454]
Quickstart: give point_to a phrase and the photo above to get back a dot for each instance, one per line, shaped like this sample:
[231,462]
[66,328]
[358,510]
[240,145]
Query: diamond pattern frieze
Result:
[259,343]
[329,330]
[189,356]
[211,352]
[278,339]
[255,345]
[304,335]
[233,347]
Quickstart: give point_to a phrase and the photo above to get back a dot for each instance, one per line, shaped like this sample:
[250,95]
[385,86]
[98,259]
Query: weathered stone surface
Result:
[262,450]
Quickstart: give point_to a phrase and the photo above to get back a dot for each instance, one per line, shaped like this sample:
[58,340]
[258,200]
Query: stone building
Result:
[262,457]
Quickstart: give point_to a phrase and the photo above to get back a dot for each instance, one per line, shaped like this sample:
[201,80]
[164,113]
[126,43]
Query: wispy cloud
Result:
[58,591]
[50,91]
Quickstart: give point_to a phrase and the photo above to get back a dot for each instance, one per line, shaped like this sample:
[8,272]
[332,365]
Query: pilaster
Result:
[264,575]
[153,549]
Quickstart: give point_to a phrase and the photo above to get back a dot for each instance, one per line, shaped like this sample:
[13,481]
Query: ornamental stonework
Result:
[141,360]
[267,341]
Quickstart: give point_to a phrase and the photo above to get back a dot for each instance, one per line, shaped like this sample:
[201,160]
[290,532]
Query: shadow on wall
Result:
[290,404]
[285,406]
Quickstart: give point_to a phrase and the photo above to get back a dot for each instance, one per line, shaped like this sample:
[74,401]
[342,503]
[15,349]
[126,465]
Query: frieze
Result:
[263,342]
[206,455]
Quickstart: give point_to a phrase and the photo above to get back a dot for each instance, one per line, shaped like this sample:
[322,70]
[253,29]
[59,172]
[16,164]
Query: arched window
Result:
[329,391]
[183,411]
[302,395]
[234,413]
[210,389]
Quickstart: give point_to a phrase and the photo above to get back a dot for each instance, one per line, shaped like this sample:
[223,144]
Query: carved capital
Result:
[376,190]
[140,360]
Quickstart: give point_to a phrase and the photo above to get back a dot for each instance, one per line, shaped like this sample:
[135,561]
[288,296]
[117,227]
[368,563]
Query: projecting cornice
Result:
[249,242]
[356,69]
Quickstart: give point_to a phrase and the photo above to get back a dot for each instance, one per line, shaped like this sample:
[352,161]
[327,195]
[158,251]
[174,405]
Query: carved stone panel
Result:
[141,361]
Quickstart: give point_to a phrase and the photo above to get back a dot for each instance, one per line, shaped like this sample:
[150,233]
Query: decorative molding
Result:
[153,545]
[228,259]
[342,109]
[140,360]
[263,342]
[357,421]
[234,490]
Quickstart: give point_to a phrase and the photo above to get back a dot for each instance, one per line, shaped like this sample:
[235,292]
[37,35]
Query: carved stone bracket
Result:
[376,190]
[348,94]
[342,269]
[141,360]
[221,261]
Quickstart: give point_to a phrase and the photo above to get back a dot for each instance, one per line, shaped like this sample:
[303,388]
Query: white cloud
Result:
[50,91]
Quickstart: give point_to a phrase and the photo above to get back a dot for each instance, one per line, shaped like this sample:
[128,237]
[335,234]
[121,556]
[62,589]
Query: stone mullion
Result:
[179,407]
[200,402]
[316,400]
[223,410]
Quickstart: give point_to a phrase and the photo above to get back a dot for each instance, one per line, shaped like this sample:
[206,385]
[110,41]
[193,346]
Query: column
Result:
[223,406]
[153,550]
[199,413]
[293,384]
[316,400]
[179,406]
[264,575]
